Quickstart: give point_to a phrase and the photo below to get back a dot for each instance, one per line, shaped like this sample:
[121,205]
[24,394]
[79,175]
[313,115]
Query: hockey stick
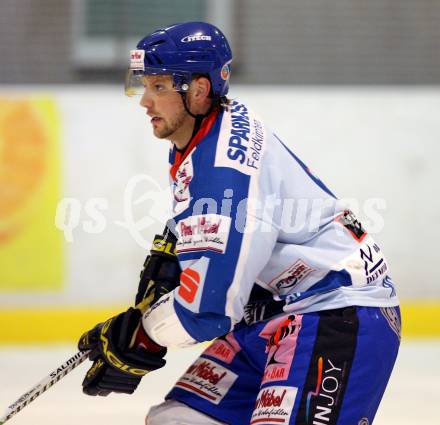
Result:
[44,385]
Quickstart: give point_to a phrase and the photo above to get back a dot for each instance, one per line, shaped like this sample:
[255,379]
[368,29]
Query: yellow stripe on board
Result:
[56,325]
[51,325]
[421,319]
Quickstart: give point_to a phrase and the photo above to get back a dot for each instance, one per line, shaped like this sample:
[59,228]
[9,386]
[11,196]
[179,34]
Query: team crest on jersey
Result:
[209,232]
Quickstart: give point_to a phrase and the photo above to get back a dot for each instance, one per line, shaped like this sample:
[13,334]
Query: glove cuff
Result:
[141,339]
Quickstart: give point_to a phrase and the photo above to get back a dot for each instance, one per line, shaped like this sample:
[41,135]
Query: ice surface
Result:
[412,396]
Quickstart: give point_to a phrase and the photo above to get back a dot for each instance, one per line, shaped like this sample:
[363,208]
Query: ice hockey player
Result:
[259,257]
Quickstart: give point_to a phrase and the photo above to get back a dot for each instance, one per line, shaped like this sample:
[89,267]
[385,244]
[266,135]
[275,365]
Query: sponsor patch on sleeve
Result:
[207,232]
[367,265]
[375,265]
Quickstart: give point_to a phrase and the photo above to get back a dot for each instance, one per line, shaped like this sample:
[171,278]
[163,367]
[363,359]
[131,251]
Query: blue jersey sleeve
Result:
[221,249]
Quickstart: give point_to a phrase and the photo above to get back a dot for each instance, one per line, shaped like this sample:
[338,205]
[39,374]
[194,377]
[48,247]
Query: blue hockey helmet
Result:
[182,50]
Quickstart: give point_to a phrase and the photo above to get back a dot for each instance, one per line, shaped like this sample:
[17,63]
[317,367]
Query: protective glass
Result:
[136,81]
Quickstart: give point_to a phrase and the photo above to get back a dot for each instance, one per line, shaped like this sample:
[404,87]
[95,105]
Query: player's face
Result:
[165,107]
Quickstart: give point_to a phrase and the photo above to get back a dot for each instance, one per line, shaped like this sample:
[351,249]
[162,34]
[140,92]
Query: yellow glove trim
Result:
[112,358]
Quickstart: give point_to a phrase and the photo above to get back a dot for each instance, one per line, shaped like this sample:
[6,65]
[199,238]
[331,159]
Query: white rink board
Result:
[365,142]
[411,398]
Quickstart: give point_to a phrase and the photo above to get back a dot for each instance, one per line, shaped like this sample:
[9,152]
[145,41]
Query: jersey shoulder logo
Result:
[241,141]
[352,224]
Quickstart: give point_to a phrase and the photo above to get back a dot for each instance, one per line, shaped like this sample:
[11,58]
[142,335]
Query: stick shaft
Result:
[44,385]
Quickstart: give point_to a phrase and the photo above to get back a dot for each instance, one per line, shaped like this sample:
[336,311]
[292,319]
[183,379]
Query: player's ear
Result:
[201,88]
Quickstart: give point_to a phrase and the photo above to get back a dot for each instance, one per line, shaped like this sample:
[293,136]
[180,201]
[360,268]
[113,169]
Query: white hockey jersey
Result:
[249,214]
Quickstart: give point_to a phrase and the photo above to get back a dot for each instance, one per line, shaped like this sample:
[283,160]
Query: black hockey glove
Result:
[161,272]
[122,353]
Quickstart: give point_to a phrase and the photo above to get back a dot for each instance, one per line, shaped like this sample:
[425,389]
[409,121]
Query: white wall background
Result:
[363,143]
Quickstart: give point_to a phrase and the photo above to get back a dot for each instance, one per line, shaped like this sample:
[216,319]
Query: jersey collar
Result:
[181,155]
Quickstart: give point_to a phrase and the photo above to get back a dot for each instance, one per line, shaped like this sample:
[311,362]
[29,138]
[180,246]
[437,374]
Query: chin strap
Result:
[197,124]
[198,117]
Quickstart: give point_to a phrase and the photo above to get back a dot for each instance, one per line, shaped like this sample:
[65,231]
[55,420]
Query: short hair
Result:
[221,101]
